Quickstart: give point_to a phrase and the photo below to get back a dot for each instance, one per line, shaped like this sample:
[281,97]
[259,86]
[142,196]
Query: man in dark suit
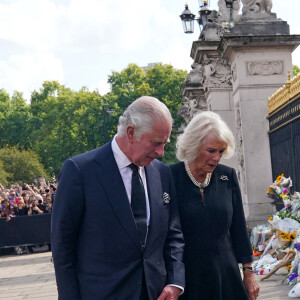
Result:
[102,248]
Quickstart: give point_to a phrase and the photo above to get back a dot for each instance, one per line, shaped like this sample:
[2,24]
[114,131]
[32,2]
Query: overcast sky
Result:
[80,42]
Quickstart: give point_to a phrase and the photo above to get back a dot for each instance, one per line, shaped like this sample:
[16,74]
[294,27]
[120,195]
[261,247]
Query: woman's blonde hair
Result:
[190,141]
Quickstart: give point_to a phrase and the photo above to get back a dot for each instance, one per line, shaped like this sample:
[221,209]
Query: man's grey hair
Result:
[189,143]
[141,114]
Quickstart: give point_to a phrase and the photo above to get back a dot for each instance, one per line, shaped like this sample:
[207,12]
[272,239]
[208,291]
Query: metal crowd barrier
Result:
[25,230]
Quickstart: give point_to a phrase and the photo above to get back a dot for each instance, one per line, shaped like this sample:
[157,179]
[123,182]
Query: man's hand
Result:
[169,293]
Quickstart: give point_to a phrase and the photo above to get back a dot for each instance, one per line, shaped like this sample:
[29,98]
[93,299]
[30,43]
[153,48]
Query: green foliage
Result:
[14,119]
[19,166]
[296,70]
[69,123]
[60,123]
[165,83]
[160,81]
[3,175]
[128,85]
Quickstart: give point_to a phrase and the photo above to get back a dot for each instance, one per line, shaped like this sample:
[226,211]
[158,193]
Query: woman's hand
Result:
[251,285]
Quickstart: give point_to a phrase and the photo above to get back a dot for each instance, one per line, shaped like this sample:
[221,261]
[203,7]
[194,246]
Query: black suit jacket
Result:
[96,249]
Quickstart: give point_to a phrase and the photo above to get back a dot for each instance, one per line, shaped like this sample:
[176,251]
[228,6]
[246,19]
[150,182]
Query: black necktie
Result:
[138,202]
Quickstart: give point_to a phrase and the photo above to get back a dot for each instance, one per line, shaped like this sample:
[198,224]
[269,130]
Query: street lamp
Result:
[188,18]
[204,12]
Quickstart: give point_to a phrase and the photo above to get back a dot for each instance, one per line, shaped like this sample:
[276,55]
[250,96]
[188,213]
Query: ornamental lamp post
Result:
[204,12]
[188,18]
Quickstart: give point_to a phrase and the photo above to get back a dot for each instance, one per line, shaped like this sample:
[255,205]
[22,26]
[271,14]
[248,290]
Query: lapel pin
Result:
[224,177]
[166,198]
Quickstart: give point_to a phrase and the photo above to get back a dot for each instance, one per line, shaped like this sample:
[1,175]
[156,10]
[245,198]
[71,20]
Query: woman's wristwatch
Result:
[250,269]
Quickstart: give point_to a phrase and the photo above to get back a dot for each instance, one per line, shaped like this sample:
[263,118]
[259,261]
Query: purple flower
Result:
[297,246]
[293,276]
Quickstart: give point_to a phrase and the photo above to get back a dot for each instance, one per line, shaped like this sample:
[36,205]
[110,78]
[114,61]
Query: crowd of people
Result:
[27,199]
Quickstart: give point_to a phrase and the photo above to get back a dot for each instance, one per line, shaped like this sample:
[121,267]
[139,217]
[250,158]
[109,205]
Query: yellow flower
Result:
[292,236]
[288,267]
[278,179]
[271,218]
[283,234]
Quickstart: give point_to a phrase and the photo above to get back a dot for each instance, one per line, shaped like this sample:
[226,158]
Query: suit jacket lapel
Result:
[112,183]
[155,201]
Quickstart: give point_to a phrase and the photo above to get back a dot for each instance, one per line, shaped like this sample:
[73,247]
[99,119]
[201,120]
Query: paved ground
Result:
[27,276]
[273,289]
[31,276]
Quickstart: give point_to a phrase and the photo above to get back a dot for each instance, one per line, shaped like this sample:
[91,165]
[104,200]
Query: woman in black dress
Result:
[211,214]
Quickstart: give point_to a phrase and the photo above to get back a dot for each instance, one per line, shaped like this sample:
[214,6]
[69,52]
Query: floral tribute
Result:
[279,240]
[279,190]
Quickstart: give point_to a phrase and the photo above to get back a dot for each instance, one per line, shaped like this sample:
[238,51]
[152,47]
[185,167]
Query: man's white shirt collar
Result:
[121,159]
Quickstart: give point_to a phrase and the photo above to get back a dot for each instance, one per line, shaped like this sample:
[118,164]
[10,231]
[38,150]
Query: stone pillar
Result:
[259,48]
[193,98]
[240,61]
[216,81]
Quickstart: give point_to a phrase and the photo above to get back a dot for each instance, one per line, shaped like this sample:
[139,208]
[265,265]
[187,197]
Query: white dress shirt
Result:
[126,173]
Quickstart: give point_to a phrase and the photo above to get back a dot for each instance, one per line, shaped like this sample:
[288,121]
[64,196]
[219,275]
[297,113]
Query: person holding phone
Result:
[20,207]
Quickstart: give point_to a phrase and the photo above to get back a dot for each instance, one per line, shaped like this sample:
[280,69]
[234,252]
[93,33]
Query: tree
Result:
[3,175]
[296,70]
[60,123]
[5,104]
[68,123]
[128,85]
[165,83]
[160,81]
[14,119]
[20,166]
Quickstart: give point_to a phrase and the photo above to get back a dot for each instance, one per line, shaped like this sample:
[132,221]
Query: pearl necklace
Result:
[200,185]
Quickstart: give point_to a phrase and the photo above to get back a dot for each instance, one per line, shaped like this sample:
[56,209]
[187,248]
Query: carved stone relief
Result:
[234,72]
[257,6]
[229,14]
[213,30]
[192,105]
[264,68]
[216,72]
[239,149]
[195,76]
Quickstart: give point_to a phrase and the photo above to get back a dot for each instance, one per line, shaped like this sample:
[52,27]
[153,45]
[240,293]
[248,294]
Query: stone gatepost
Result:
[214,79]
[259,48]
[240,61]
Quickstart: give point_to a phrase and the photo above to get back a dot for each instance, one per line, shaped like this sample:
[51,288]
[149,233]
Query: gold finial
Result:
[288,84]
[290,89]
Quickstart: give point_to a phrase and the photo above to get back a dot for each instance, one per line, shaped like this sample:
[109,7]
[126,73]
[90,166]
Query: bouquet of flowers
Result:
[282,250]
[280,190]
